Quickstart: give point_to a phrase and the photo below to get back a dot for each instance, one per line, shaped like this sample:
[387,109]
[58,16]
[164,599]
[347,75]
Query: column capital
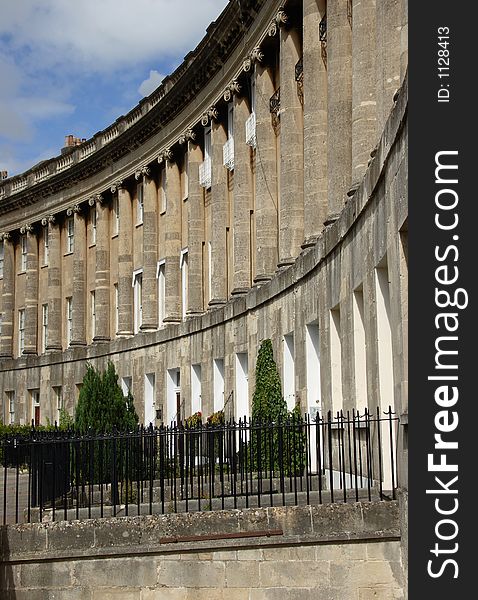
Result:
[280,19]
[117,185]
[212,114]
[6,236]
[255,56]
[166,155]
[49,220]
[188,135]
[233,88]
[27,228]
[142,172]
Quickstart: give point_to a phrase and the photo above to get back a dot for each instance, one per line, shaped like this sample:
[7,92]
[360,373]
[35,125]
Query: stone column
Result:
[31,292]
[339,105]
[172,246]
[364,106]
[314,86]
[8,296]
[102,273]
[242,195]
[195,232]
[54,286]
[125,260]
[150,250]
[388,27]
[267,203]
[219,211]
[291,216]
[404,41]
[78,309]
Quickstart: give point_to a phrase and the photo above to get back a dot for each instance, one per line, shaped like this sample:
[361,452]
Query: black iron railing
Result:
[62,476]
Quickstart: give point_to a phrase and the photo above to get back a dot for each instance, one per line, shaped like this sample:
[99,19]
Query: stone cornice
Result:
[147,119]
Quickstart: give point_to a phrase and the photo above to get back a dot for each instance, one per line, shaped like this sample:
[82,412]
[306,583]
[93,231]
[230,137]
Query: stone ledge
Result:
[126,536]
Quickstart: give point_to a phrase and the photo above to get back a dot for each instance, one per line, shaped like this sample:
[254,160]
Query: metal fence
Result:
[59,475]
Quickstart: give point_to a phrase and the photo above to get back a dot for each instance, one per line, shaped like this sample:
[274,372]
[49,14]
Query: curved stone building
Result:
[259,192]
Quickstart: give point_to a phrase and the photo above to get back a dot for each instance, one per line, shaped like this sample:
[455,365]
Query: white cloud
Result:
[149,85]
[100,35]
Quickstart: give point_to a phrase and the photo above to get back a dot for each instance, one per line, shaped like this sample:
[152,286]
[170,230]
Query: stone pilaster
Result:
[8,297]
[364,107]
[150,251]
[404,40]
[315,122]
[267,204]
[102,273]
[78,334]
[172,245]
[195,232]
[125,260]
[291,215]
[31,292]
[54,286]
[339,106]
[389,26]
[242,200]
[219,212]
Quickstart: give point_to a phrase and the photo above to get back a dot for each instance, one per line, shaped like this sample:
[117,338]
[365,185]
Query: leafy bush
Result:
[102,406]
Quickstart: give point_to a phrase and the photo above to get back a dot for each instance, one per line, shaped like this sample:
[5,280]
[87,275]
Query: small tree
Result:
[268,403]
[101,405]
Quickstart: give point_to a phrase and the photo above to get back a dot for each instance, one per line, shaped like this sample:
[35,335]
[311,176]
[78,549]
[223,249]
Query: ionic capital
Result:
[255,56]
[233,88]
[279,20]
[188,135]
[143,171]
[117,185]
[6,236]
[50,220]
[166,155]
[27,228]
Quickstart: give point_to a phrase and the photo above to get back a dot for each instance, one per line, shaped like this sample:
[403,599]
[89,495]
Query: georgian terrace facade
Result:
[259,192]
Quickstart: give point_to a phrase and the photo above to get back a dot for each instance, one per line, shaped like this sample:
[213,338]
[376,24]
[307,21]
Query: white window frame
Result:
[186,177]
[116,308]
[139,203]
[35,401]
[2,257]
[163,187]
[137,284]
[24,253]
[11,406]
[21,331]
[209,275]
[205,168]
[93,217]
[44,321]
[46,250]
[116,220]
[93,313]
[69,320]
[70,235]
[58,391]
[183,265]
[161,277]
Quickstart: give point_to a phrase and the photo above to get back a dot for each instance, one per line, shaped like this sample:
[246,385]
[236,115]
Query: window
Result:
[116,220]
[336,360]
[140,205]
[23,249]
[218,376]
[242,386]
[126,385]
[11,406]
[44,327]
[138,299]
[251,121]
[69,320]
[183,263]
[205,174]
[186,177]
[289,371]
[93,314]
[360,351]
[196,404]
[2,251]
[163,190]
[45,245]
[228,148]
[21,331]
[35,396]
[70,235]
[116,308]
[161,275]
[209,257]
[58,399]
[93,215]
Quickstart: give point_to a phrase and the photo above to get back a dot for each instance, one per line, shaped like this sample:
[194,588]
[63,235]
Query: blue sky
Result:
[74,67]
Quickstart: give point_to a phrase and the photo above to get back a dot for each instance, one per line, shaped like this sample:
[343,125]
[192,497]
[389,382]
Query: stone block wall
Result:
[334,552]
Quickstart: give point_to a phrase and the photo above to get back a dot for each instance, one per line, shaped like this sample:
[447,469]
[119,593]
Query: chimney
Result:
[71,141]
[3,175]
